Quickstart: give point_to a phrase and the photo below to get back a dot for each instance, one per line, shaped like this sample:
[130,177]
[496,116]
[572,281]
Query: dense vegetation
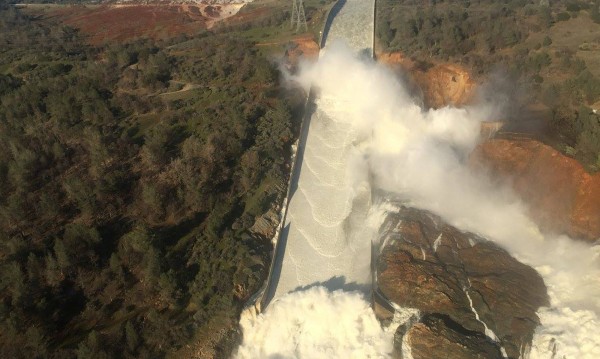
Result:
[131,176]
[551,52]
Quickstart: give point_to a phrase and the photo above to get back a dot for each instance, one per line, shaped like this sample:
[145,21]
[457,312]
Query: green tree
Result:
[62,256]
[36,344]
[385,33]
[545,17]
[13,282]
[131,336]
[547,41]
[595,12]
[53,272]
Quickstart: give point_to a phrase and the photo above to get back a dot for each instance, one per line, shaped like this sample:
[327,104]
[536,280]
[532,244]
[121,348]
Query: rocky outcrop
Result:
[446,84]
[439,334]
[440,84]
[301,48]
[395,59]
[266,225]
[477,290]
[561,195]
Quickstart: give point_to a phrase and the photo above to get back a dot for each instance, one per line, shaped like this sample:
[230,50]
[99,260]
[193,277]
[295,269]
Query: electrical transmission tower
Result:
[298,16]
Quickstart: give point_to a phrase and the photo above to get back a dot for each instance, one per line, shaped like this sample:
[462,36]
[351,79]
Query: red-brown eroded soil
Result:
[441,84]
[562,196]
[248,16]
[306,48]
[121,23]
[125,22]
[446,84]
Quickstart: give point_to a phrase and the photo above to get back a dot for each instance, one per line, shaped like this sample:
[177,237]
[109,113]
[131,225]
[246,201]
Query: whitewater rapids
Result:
[368,131]
[325,238]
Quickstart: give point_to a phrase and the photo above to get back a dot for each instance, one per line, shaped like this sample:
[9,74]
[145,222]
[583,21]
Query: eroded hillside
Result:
[546,134]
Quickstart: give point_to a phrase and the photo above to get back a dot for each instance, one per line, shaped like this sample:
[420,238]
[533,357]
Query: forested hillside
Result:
[130,177]
[548,55]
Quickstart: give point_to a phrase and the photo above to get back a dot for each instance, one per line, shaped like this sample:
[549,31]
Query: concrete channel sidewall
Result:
[261,299]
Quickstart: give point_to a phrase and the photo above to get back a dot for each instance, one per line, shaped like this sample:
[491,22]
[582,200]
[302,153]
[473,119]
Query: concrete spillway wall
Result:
[280,279]
[260,299]
[319,243]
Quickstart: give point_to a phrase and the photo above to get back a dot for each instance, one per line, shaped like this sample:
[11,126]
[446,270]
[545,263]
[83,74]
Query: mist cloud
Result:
[420,156]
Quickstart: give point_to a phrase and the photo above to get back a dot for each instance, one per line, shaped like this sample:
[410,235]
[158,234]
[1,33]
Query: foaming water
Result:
[421,157]
[326,236]
[316,323]
[368,132]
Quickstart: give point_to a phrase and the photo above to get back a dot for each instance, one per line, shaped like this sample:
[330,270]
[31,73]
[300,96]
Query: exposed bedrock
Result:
[468,289]
[440,84]
[439,334]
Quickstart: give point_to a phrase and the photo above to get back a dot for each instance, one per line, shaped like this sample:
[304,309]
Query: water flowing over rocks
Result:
[438,334]
[469,290]
[563,198]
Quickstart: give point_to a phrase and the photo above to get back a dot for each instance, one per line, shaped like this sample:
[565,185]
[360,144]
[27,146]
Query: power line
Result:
[298,15]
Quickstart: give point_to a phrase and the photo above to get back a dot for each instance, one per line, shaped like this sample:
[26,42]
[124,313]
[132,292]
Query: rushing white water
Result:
[420,156]
[293,327]
[327,240]
[367,131]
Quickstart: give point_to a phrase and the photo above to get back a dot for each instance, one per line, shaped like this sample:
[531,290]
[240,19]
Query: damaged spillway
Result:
[470,269]
[323,240]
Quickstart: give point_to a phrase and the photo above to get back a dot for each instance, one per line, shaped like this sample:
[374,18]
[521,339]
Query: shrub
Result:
[563,16]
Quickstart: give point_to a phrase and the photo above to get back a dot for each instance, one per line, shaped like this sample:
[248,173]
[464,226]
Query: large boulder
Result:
[561,195]
[438,334]
[431,266]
